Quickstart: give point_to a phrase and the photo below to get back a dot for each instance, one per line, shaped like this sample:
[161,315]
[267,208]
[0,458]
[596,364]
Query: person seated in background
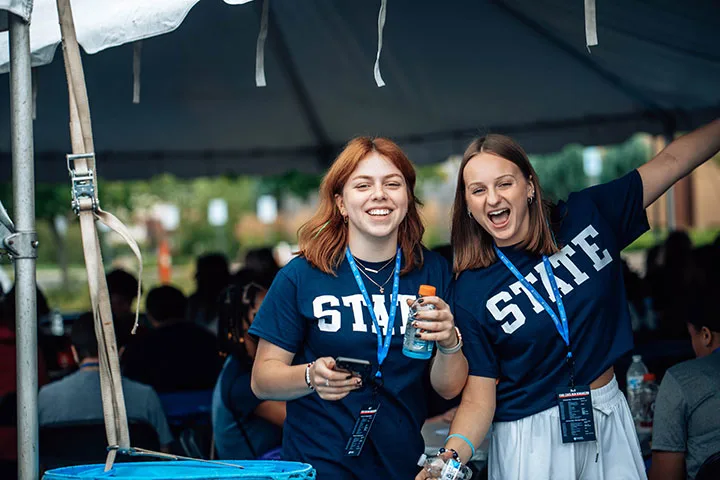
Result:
[77,397]
[123,289]
[175,355]
[686,426]
[212,275]
[244,426]
[8,379]
[670,272]
[262,262]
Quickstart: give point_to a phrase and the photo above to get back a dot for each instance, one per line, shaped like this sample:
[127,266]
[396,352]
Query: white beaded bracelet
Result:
[307,376]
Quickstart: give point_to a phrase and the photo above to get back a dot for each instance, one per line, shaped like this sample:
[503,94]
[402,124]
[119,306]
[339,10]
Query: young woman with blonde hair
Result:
[541,303]
[361,249]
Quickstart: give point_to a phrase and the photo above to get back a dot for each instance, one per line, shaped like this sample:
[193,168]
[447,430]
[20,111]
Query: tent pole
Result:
[21,130]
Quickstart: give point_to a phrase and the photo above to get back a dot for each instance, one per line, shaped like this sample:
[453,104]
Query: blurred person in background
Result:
[123,289]
[8,379]
[175,355]
[212,275]
[262,261]
[244,426]
[686,425]
[78,398]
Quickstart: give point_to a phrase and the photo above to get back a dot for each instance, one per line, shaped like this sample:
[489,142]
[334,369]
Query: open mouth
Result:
[379,212]
[500,217]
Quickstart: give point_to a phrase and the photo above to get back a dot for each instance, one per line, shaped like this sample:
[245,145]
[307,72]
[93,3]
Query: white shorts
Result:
[531,448]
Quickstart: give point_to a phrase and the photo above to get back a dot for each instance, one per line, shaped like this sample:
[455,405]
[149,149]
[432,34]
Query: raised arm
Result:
[678,159]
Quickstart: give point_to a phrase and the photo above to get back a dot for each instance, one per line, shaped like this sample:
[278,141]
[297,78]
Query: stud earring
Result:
[470,213]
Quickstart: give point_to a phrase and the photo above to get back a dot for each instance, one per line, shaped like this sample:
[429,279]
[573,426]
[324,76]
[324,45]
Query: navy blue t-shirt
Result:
[315,315]
[233,407]
[509,336]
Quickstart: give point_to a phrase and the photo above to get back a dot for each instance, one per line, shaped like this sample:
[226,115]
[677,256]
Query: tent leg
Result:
[21,130]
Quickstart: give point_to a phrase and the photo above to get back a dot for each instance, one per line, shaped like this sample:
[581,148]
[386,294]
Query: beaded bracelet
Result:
[456,455]
[307,376]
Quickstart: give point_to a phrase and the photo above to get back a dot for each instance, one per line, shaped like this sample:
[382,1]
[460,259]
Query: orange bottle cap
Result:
[427,291]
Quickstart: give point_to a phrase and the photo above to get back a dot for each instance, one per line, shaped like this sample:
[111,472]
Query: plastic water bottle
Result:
[414,347]
[635,375]
[649,394]
[57,326]
[445,470]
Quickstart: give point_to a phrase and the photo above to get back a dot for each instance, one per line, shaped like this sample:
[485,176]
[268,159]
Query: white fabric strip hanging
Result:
[381,25]
[591,38]
[260,48]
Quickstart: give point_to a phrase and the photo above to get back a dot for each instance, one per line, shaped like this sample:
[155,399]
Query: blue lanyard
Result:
[561,324]
[716,350]
[383,346]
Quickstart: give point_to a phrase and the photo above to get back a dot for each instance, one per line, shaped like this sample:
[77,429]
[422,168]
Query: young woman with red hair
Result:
[348,294]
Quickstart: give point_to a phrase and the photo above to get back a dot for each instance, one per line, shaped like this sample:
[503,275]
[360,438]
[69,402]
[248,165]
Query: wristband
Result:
[456,348]
[307,376]
[465,439]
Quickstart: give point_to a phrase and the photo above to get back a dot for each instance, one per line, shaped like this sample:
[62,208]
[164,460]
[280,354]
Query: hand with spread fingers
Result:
[438,324]
[331,384]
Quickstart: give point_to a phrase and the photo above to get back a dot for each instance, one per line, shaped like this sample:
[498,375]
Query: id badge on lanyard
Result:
[577,423]
[366,417]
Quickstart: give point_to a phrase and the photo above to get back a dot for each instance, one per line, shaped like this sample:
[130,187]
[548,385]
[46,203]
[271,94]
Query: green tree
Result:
[560,173]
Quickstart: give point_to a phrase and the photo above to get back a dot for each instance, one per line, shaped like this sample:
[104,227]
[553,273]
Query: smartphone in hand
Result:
[356,367]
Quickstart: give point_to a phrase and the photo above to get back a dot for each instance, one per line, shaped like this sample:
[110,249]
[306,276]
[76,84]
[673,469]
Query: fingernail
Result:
[421,300]
[414,324]
[359,381]
[348,377]
[417,335]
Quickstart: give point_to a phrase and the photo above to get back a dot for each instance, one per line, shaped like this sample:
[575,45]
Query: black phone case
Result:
[364,371]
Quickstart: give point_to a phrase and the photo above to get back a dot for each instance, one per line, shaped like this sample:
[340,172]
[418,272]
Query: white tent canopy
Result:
[453,70]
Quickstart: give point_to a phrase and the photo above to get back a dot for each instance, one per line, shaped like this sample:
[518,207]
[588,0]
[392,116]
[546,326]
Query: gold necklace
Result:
[372,269]
[381,287]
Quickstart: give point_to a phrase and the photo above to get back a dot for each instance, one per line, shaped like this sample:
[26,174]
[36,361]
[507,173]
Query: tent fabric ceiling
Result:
[22,8]
[453,70]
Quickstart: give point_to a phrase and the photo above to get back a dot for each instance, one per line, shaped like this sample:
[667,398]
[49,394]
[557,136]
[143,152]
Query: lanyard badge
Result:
[574,402]
[364,421]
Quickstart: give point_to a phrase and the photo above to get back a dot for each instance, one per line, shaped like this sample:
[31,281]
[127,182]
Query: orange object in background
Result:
[164,262]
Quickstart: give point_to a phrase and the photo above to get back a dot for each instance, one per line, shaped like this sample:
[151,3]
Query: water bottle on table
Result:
[635,375]
[414,347]
[649,394]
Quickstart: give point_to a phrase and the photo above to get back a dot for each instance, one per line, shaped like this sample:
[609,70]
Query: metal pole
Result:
[21,130]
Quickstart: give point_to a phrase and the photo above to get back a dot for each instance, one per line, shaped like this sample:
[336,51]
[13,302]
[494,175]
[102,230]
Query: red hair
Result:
[324,238]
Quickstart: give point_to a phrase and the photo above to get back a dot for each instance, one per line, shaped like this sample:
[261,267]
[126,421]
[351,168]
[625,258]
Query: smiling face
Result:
[497,195]
[374,200]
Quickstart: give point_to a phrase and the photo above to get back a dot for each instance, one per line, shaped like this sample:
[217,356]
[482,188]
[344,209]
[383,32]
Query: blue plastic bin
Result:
[188,470]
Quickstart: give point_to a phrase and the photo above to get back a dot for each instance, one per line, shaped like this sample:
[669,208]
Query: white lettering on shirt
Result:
[591,248]
[511,309]
[503,307]
[328,320]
